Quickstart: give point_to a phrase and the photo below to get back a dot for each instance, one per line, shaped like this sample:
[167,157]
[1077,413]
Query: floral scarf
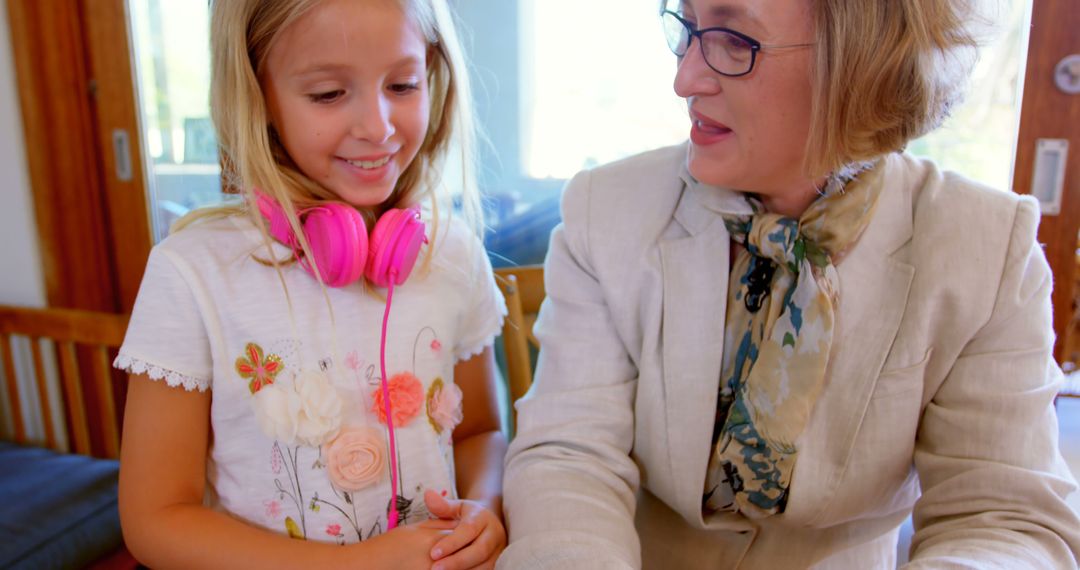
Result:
[782,299]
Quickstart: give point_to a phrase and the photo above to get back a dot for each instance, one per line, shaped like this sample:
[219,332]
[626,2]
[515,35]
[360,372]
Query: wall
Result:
[21,280]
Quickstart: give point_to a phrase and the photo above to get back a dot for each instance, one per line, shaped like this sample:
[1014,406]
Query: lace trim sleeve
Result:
[467,352]
[172,378]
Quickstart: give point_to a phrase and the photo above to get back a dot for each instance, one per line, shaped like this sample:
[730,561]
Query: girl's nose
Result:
[371,120]
[694,77]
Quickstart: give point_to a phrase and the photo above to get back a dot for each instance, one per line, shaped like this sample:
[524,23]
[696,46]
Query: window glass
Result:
[979,139]
[596,84]
[171,43]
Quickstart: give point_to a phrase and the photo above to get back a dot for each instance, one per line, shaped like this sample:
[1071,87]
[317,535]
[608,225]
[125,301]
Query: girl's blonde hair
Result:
[886,72]
[242,32]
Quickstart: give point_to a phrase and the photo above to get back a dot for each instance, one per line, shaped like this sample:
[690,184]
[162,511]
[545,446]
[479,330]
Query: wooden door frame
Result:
[75,84]
[1047,112]
[76,89]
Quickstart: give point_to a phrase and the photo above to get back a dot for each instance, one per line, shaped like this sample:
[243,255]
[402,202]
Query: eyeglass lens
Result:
[724,51]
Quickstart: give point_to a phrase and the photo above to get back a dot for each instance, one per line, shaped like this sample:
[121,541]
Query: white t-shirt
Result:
[209,315]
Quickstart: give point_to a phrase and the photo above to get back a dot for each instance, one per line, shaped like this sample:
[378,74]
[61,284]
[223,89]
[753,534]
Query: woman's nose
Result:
[371,120]
[694,77]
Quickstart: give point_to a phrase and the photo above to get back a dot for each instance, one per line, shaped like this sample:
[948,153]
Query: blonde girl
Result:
[311,367]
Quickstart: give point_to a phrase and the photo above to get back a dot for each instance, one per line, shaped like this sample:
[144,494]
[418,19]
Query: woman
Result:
[760,348]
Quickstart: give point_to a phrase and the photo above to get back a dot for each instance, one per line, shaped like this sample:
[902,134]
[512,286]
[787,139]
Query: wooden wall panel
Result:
[1050,113]
[62,152]
[126,204]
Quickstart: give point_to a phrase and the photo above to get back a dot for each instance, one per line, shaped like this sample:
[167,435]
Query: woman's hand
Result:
[477,540]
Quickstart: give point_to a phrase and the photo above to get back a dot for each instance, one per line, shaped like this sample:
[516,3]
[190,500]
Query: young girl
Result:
[292,376]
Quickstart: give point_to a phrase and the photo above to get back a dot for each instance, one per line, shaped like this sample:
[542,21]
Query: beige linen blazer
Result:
[938,394]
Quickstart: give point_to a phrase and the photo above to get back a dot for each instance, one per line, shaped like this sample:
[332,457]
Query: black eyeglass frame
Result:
[755,46]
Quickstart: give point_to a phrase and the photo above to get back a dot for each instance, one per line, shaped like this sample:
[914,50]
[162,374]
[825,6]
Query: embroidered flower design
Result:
[436,346]
[276,460]
[355,458]
[273,509]
[257,369]
[333,530]
[352,360]
[406,397]
[444,406]
[307,412]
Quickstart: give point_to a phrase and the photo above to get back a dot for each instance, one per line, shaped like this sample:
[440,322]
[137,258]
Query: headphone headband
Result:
[340,248]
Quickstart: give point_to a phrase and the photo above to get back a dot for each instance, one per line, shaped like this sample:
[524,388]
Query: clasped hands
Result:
[465,535]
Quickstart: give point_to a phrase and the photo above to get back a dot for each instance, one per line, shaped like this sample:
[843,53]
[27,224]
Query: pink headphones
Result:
[340,246]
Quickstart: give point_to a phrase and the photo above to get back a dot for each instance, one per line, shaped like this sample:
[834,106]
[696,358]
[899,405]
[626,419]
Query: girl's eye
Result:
[326,97]
[403,88]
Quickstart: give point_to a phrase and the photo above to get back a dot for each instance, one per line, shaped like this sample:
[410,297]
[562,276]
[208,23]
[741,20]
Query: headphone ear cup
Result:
[338,239]
[395,245]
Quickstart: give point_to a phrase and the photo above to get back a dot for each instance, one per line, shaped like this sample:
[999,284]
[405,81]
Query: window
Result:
[589,96]
[171,42]
[979,139]
[560,85]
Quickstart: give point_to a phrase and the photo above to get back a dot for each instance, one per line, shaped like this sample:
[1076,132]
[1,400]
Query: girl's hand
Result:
[476,542]
[408,546]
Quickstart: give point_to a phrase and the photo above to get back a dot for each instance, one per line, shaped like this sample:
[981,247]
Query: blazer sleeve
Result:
[993,481]
[570,485]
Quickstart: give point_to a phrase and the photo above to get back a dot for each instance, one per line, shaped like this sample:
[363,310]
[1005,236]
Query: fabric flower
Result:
[308,412]
[355,458]
[333,529]
[436,346]
[257,369]
[444,406]
[406,397]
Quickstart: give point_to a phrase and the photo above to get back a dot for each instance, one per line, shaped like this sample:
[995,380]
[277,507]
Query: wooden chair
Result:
[82,341]
[73,522]
[523,288]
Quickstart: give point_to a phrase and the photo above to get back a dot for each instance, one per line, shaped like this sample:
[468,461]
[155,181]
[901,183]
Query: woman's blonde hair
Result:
[242,33]
[886,72]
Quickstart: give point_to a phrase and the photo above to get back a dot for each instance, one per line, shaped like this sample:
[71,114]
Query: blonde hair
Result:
[886,72]
[242,34]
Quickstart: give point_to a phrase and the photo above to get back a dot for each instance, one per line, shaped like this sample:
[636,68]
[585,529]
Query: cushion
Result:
[56,510]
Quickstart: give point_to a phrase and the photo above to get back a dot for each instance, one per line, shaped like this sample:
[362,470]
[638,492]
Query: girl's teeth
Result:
[368,164]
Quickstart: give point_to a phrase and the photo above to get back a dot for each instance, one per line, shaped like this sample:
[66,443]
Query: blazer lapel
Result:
[874,284]
[695,270]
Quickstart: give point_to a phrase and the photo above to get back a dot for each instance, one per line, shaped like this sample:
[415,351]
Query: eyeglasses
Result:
[726,51]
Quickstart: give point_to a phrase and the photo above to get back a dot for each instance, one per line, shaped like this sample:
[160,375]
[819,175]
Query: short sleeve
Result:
[482,319]
[166,338]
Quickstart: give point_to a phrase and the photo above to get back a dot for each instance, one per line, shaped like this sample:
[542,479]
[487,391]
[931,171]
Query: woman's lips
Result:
[705,131]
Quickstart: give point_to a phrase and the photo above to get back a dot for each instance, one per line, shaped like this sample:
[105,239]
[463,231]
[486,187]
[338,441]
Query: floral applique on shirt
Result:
[258,369]
[406,398]
[325,456]
[444,406]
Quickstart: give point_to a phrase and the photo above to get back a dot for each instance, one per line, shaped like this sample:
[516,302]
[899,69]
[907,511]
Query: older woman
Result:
[764,348]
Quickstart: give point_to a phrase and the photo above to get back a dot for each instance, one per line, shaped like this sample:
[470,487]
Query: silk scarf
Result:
[782,298]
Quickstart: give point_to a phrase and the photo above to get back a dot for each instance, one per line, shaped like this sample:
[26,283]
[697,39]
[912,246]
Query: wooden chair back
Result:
[523,288]
[83,343]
